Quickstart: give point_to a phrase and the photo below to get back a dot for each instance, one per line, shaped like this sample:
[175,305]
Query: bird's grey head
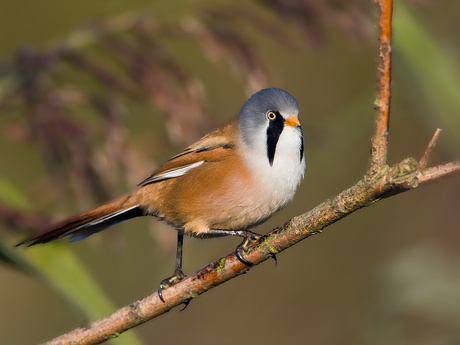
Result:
[254,111]
[262,119]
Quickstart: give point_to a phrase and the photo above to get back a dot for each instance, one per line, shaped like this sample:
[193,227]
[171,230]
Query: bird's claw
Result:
[186,303]
[245,245]
[165,283]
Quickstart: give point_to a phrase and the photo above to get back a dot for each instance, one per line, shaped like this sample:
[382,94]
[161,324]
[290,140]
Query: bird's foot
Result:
[165,283]
[245,245]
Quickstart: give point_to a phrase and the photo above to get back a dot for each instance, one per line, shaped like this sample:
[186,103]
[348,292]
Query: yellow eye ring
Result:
[271,115]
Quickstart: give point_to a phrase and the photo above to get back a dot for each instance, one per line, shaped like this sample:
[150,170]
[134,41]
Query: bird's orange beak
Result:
[292,121]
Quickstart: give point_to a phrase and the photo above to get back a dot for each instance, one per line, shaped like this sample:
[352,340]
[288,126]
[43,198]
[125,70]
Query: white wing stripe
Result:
[176,172]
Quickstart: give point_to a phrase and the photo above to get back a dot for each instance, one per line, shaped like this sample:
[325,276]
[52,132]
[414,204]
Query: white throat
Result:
[278,182]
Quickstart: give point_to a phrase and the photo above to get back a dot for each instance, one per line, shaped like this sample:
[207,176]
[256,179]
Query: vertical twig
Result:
[382,103]
[424,161]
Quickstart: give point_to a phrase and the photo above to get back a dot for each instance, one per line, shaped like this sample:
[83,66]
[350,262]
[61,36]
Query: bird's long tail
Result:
[86,224]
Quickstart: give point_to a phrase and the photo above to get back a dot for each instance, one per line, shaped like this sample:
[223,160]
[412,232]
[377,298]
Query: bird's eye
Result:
[271,115]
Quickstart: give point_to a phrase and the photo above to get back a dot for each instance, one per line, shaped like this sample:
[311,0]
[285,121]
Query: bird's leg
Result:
[178,274]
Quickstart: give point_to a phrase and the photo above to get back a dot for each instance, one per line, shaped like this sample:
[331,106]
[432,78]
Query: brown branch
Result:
[379,143]
[397,179]
[439,171]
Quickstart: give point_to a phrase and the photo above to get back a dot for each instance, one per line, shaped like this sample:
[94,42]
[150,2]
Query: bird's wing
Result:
[211,148]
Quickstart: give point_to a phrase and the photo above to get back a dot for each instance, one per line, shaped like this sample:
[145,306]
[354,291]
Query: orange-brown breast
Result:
[214,195]
[219,194]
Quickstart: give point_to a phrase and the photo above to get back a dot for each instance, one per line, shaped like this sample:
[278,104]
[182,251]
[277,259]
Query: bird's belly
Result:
[238,200]
[239,206]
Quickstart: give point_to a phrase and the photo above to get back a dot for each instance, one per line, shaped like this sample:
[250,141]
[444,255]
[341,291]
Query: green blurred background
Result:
[388,274]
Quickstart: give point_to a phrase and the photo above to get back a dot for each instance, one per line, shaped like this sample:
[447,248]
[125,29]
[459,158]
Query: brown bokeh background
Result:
[388,274]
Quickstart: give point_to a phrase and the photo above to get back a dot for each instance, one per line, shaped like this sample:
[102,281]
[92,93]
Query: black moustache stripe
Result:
[275,127]
[301,143]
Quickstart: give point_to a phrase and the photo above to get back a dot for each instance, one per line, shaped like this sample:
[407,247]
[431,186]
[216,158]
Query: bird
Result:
[226,183]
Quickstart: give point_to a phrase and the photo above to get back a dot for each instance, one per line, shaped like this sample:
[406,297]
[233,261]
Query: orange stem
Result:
[382,104]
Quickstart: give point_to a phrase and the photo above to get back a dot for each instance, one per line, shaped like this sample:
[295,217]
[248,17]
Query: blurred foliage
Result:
[75,111]
[436,74]
[72,101]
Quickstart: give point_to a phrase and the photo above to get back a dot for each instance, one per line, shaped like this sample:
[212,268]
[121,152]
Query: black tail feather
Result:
[84,225]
